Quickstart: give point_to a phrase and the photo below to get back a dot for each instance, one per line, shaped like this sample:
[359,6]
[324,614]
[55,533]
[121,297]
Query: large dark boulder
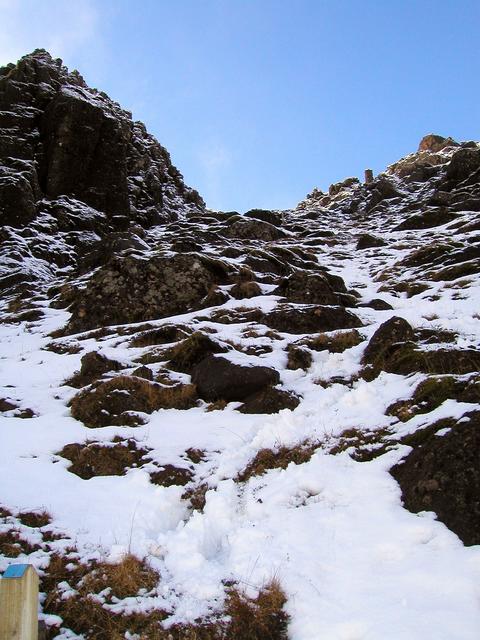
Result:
[367,241]
[443,475]
[217,378]
[315,288]
[395,330]
[252,229]
[134,289]
[310,319]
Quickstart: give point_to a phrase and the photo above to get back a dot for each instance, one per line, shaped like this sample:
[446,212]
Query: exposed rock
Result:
[252,229]
[443,475]
[395,330]
[435,143]
[367,241]
[132,289]
[269,400]
[217,378]
[272,217]
[243,290]
[463,163]
[377,303]
[335,188]
[72,162]
[93,366]
[315,288]
[191,351]
[310,319]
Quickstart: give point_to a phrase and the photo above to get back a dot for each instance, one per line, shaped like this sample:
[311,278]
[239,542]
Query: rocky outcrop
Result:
[68,155]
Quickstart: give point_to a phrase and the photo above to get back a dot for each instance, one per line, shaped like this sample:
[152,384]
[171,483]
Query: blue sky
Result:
[260,101]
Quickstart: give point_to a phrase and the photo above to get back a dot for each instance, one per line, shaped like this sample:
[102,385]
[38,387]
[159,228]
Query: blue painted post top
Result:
[16,571]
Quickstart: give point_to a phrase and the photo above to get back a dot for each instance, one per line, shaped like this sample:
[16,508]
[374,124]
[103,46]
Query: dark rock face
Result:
[254,230]
[217,378]
[86,152]
[443,475]
[72,160]
[82,144]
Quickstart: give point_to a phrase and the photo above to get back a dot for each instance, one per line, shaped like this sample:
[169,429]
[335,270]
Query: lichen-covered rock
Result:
[134,289]
[217,378]
[252,229]
[443,475]
[315,288]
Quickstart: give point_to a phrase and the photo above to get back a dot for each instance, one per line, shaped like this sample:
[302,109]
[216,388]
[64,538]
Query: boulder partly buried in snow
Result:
[443,475]
[217,378]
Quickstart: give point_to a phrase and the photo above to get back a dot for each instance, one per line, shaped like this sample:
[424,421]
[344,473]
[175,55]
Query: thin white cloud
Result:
[63,28]
[214,159]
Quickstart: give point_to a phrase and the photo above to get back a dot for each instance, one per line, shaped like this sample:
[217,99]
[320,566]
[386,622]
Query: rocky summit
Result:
[219,425]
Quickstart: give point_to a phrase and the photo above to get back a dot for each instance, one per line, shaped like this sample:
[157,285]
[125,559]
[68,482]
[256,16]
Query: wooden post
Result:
[19,603]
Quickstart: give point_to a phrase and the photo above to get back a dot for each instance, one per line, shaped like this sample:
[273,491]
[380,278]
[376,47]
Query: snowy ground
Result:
[354,563]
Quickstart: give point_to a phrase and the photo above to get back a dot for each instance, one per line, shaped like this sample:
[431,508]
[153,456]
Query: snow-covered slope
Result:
[237,399]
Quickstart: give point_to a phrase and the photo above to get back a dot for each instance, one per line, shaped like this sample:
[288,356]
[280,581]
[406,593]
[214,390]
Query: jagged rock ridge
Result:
[73,161]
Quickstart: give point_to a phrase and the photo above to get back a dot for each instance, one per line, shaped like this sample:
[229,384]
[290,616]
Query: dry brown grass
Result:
[196,496]
[83,613]
[112,402]
[92,459]
[267,459]
[12,544]
[260,618]
[363,446]
[35,519]
[337,342]
[171,475]
[218,405]
[243,618]
[159,335]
